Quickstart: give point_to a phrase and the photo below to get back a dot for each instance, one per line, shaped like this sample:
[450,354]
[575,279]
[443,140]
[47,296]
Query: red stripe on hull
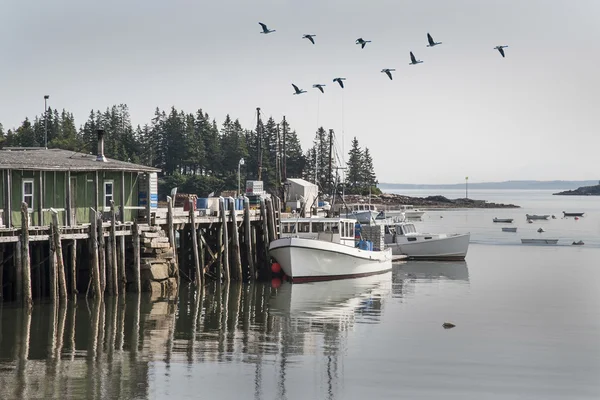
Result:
[321,278]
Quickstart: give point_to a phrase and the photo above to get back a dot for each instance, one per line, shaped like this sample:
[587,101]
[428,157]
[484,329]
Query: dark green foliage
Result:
[360,173]
[190,149]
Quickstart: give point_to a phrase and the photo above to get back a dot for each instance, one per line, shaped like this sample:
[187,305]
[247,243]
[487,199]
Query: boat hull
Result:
[503,220]
[509,229]
[537,216]
[309,260]
[539,241]
[572,214]
[414,214]
[448,247]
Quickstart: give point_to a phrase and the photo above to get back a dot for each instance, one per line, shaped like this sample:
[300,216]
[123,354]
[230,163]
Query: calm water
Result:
[526,318]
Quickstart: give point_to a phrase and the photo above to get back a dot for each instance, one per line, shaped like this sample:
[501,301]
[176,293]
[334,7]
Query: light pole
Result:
[466,187]
[240,163]
[46,97]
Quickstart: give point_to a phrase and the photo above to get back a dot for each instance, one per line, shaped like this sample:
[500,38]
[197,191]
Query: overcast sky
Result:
[465,111]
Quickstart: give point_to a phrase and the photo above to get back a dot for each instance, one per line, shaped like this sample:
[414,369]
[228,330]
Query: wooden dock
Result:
[107,256]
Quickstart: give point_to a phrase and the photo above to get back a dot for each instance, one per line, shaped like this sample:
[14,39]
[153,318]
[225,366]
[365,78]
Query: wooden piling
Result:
[265,230]
[270,218]
[248,239]
[121,252]
[74,267]
[60,266]
[225,248]
[136,259]
[112,253]
[52,272]
[101,253]
[197,270]
[94,254]
[171,235]
[26,267]
[202,257]
[235,244]
[1,273]
[18,266]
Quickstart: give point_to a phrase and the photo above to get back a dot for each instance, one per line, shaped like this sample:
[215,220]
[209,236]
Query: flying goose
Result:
[340,81]
[413,59]
[431,41]
[500,49]
[298,91]
[319,86]
[388,72]
[362,42]
[309,37]
[265,29]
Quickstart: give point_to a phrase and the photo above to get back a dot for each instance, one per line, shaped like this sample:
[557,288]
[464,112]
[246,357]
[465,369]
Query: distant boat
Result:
[539,241]
[507,220]
[575,214]
[411,212]
[509,229]
[541,230]
[534,216]
[529,221]
[580,243]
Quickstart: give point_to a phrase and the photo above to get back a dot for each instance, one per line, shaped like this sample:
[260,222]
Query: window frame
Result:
[112,194]
[32,195]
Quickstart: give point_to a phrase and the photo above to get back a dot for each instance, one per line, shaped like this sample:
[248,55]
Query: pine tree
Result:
[368,178]
[355,166]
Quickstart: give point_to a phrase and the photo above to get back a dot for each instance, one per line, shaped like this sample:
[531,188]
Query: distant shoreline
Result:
[512,185]
[393,201]
[581,191]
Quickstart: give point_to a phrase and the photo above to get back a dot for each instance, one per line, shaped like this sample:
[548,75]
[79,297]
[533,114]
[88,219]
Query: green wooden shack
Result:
[70,182]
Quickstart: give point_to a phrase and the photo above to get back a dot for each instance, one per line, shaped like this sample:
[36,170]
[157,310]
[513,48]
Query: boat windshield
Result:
[407,229]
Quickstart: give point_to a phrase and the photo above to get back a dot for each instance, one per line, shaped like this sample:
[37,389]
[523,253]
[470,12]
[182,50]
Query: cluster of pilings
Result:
[107,256]
[234,249]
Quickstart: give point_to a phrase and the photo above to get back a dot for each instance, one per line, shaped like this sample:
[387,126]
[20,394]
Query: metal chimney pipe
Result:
[100,156]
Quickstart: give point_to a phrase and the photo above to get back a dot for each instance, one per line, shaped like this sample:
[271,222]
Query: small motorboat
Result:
[553,216]
[573,214]
[539,241]
[580,243]
[535,216]
[529,221]
[505,220]
[509,229]
[541,230]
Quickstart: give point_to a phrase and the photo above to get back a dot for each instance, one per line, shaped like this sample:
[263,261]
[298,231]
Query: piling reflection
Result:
[108,349]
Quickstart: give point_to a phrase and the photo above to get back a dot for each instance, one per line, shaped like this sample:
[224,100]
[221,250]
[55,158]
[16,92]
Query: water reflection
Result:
[109,349]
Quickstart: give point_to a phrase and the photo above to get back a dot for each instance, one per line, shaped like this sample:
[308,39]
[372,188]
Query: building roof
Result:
[301,182]
[41,159]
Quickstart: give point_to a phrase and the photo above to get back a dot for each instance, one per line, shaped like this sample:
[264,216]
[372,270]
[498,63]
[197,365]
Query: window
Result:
[108,193]
[304,227]
[28,193]
[318,227]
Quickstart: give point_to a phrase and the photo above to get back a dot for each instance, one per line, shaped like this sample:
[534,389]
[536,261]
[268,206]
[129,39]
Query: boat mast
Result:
[259,142]
[329,178]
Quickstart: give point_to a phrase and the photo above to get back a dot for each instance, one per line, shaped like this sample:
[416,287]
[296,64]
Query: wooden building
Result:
[71,183]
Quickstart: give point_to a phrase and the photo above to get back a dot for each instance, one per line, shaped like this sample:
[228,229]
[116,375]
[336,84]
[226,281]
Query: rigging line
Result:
[343,150]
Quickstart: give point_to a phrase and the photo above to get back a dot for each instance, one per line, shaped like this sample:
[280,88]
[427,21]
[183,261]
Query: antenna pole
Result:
[284,175]
[330,177]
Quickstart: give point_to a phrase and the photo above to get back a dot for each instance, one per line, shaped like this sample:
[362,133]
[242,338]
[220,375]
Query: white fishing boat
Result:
[403,238]
[539,241]
[504,220]
[411,212]
[509,229]
[534,216]
[317,249]
[364,213]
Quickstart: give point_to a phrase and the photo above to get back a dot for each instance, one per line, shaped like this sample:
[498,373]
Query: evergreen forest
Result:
[200,156]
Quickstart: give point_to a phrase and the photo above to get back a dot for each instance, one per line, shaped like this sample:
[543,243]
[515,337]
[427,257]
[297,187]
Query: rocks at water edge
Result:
[581,191]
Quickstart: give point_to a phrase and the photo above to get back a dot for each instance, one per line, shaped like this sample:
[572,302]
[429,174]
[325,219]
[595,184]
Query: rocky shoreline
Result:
[582,191]
[392,201]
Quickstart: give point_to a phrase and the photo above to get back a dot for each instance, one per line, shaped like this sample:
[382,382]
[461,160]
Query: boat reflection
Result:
[431,270]
[340,299]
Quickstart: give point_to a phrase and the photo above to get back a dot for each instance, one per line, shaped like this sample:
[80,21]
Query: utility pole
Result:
[466,187]
[46,97]
[330,177]
[259,143]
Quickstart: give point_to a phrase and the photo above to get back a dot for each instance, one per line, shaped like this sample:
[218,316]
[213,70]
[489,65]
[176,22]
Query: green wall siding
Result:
[82,196]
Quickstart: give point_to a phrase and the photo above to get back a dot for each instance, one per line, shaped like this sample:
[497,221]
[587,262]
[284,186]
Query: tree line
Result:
[196,154]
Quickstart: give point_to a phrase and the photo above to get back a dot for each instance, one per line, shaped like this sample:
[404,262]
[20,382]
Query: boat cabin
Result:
[338,230]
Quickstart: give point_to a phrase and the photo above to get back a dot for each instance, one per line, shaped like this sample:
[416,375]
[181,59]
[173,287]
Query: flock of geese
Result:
[360,41]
